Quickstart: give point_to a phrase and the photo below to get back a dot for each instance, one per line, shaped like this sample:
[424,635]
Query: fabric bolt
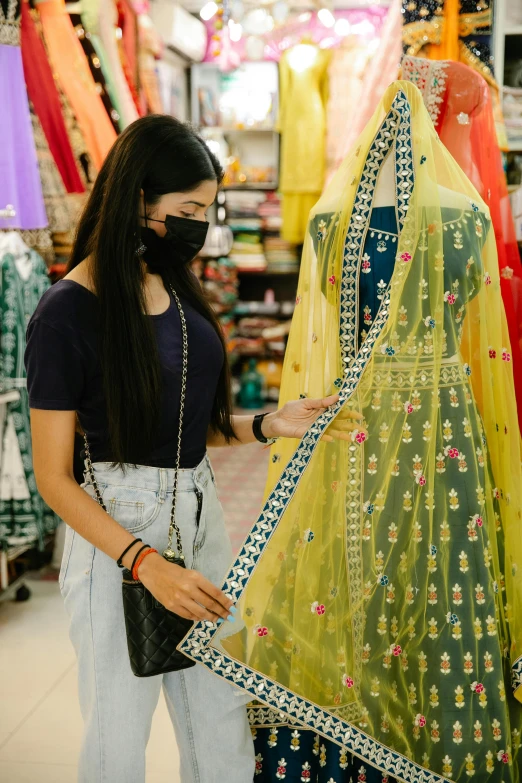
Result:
[21,199]
[100,20]
[303,73]
[68,60]
[96,68]
[64,372]
[44,97]
[23,280]
[209,716]
[381,586]
[459,102]
[382,68]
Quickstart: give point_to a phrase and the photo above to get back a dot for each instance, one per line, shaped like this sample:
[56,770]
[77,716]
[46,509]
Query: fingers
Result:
[325,402]
[215,594]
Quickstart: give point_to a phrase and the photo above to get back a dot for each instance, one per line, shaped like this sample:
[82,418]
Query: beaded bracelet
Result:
[140,560]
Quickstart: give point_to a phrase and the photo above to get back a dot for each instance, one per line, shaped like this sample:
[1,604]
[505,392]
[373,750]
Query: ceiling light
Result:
[236,31]
[342,27]
[326,17]
[208,11]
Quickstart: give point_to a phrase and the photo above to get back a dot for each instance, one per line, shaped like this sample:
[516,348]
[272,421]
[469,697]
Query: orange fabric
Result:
[68,61]
[448,49]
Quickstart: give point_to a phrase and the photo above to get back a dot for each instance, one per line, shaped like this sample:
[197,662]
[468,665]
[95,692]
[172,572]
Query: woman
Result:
[105,344]
[381,587]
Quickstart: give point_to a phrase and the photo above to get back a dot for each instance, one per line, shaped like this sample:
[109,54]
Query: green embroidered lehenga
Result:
[380,590]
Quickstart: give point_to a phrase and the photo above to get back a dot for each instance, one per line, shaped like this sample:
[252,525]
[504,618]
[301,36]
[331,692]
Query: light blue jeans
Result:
[208,715]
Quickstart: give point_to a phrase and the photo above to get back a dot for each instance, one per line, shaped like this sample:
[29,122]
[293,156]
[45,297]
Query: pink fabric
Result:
[383,69]
[365,22]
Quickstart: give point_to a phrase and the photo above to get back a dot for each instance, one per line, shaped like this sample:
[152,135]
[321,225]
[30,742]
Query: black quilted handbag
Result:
[153,633]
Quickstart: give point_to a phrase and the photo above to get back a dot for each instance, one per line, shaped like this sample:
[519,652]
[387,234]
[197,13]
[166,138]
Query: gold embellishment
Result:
[10,25]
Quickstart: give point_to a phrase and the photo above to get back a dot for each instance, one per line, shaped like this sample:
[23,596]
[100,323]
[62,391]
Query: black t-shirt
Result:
[64,372]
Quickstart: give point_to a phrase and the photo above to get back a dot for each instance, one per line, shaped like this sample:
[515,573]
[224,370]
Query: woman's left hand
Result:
[296,417]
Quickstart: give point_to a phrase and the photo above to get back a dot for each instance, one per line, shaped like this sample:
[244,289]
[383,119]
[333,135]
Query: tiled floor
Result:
[40,723]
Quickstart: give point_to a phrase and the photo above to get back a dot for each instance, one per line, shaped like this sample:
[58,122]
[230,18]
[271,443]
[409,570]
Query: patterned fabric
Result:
[23,280]
[296,756]
[379,591]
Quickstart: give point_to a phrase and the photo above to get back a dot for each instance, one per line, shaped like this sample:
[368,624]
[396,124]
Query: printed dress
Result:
[451,667]
[379,593]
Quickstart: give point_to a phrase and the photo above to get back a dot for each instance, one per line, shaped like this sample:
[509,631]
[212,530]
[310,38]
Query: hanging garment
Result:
[455,30]
[100,20]
[382,68]
[24,517]
[83,161]
[57,201]
[149,51]
[44,97]
[459,102]
[96,68]
[68,60]
[21,200]
[346,72]
[379,594]
[303,73]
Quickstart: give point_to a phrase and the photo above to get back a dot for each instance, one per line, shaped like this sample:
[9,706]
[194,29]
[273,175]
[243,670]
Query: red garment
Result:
[459,101]
[44,97]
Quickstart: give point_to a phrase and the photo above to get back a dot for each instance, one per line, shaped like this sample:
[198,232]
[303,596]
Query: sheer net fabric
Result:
[380,589]
[459,103]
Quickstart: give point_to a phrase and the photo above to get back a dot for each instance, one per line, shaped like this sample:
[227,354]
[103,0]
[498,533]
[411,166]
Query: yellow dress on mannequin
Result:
[302,122]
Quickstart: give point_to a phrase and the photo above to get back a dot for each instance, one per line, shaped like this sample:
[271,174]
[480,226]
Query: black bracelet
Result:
[138,553]
[119,561]
[256,428]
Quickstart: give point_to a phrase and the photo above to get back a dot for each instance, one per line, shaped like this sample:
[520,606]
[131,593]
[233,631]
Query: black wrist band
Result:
[138,553]
[256,427]
[119,561]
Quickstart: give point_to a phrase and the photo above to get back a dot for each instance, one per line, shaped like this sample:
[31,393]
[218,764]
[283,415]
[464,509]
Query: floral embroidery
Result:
[457,240]
[450,298]
[322,232]
[365,265]
[367,315]
[405,257]
[382,246]
[331,280]
[506,356]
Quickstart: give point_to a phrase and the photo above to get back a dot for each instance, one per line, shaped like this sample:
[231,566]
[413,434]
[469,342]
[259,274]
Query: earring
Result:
[141,249]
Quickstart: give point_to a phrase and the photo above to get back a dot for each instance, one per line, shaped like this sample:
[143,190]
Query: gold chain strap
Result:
[169,553]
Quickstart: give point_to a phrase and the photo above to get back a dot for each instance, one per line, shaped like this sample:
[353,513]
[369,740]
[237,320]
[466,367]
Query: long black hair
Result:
[159,155]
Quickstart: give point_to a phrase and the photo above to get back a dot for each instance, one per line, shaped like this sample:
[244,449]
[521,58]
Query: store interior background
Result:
[236,70]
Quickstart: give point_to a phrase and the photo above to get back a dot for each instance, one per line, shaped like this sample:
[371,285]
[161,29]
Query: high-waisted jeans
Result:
[208,715]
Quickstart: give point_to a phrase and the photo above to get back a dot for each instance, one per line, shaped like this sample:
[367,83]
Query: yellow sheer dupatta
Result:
[335,582]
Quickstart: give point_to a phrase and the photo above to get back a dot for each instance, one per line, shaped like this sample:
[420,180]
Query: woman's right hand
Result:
[184,592]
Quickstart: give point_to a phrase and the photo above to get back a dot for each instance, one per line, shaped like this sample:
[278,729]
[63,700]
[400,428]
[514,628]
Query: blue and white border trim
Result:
[279,701]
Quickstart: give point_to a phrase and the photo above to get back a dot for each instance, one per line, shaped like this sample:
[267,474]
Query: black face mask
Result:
[180,245]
